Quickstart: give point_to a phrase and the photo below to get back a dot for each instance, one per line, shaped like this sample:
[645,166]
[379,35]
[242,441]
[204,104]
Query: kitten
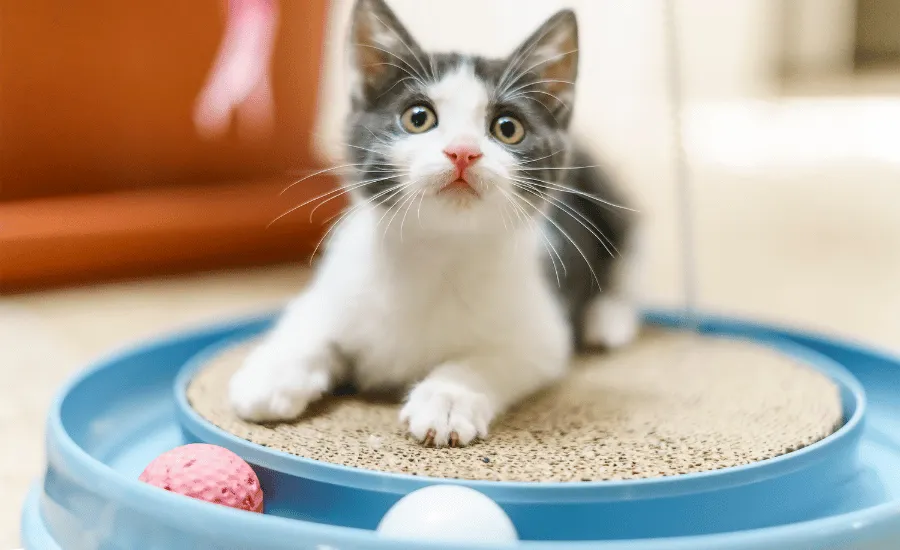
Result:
[471,263]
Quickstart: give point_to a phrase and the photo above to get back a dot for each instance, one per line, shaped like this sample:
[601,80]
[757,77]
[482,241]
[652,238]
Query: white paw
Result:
[442,413]
[274,384]
[611,322]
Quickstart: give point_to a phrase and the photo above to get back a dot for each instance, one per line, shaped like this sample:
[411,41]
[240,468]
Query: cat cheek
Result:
[500,162]
[403,154]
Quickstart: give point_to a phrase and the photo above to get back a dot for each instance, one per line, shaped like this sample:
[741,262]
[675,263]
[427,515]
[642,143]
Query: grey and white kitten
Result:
[470,265]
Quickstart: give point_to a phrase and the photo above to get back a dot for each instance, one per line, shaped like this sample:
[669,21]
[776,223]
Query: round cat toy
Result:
[207,472]
[448,513]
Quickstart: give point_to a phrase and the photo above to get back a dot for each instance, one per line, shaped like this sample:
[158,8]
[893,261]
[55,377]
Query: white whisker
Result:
[419,209]
[596,232]
[525,94]
[538,82]
[347,189]
[335,192]
[529,161]
[400,38]
[397,204]
[346,214]
[567,236]
[552,250]
[542,104]
[406,212]
[374,135]
[394,85]
[319,172]
[414,77]
[418,76]
[560,168]
[566,189]
[503,217]
[373,151]
[538,64]
[433,69]
[521,56]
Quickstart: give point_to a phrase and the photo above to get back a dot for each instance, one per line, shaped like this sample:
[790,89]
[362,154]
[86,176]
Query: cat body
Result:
[481,248]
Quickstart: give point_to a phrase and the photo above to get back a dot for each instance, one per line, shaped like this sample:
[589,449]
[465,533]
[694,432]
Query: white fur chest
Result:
[401,308]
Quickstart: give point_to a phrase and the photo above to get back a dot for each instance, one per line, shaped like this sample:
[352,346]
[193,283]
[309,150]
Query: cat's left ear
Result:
[382,50]
[547,62]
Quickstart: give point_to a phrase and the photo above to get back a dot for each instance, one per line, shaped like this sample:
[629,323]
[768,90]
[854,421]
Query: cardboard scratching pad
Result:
[669,404]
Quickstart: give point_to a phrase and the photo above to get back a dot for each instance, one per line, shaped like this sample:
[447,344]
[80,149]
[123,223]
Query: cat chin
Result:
[461,212]
[460,204]
[459,199]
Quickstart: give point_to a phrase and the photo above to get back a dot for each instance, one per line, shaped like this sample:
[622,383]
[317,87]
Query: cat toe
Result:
[439,414]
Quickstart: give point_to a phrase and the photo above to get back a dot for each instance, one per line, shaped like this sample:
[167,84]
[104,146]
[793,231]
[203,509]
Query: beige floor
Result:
[815,245]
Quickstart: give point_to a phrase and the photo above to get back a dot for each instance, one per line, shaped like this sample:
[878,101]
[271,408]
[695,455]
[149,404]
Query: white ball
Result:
[448,513]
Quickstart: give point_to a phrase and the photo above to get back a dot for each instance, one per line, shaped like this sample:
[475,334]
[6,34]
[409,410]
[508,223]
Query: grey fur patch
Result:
[589,234]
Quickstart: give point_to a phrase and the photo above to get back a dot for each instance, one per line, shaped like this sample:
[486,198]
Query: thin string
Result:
[682,185]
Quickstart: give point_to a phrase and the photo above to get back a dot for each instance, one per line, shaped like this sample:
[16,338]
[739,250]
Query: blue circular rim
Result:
[187,513]
[535,492]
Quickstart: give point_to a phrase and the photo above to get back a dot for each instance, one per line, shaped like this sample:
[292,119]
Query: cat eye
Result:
[508,130]
[418,119]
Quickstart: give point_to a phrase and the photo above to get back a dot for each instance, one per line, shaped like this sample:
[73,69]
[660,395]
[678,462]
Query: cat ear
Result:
[381,49]
[546,64]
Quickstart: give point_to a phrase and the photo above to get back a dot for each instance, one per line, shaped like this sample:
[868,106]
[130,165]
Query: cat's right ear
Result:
[382,51]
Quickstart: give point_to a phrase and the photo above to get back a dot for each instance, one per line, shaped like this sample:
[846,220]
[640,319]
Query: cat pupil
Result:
[507,128]
[419,117]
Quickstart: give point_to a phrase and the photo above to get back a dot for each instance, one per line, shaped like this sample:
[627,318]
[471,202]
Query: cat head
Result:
[469,143]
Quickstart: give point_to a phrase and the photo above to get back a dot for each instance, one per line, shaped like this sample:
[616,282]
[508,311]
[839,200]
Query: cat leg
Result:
[457,402]
[294,366]
[612,318]
[611,321]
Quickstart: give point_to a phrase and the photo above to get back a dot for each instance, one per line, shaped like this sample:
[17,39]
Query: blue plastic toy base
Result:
[108,423]
[691,504]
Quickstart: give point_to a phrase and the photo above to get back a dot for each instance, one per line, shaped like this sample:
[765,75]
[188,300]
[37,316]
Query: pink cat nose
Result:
[462,156]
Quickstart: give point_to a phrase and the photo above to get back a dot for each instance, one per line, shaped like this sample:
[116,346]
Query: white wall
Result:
[726,47]
[822,36]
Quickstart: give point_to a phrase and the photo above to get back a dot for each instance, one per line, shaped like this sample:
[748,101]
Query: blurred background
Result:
[120,219]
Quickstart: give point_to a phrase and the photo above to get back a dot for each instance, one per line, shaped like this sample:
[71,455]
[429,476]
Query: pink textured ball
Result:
[207,472]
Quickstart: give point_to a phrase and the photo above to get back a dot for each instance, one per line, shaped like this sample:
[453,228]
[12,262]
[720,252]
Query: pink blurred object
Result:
[207,472]
[239,80]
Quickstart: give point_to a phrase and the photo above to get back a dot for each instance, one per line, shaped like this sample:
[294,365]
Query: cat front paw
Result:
[275,384]
[440,413]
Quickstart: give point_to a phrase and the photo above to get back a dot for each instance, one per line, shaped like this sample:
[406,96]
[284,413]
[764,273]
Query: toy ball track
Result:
[841,491]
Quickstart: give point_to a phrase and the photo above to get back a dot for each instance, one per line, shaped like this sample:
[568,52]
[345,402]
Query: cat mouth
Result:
[459,185]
